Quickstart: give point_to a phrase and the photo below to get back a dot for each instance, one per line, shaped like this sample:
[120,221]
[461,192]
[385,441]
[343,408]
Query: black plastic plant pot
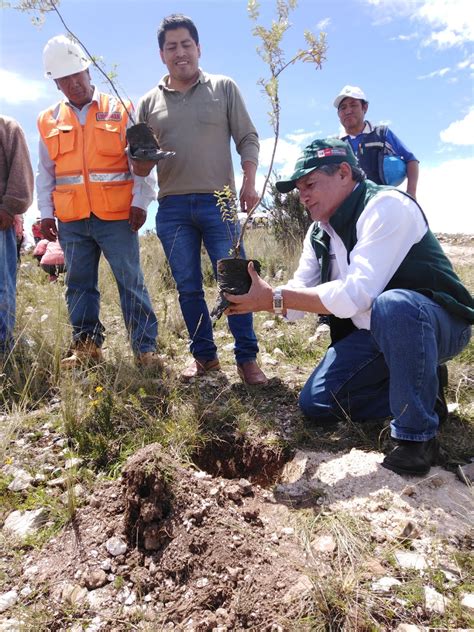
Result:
[233,278]
[142,144]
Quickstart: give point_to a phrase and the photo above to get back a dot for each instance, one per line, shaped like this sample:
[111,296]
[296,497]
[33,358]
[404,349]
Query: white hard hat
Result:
[349,91]
[62,56]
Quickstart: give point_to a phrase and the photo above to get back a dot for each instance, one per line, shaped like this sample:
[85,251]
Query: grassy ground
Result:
[104,414]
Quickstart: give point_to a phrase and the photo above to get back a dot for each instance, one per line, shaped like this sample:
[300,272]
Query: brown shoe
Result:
[250,373]
[149,360]
[200,367]
[82,353]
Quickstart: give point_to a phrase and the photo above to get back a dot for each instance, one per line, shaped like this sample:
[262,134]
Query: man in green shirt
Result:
[195,114]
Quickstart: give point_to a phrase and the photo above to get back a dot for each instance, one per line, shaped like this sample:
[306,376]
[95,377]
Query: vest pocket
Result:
[52,143]
[109,140]
[118,197]
[67,139]
[65,208]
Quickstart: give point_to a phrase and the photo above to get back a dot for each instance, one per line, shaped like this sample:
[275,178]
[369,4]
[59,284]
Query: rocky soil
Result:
[294,528]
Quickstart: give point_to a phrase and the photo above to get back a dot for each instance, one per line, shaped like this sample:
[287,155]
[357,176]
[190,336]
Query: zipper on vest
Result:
[85,171]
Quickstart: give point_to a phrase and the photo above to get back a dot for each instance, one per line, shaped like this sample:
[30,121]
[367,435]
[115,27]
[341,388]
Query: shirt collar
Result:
[163,83]
[367,129]
[95,97]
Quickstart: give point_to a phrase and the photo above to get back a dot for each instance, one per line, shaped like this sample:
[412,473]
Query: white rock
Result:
[287,531]
[384,584]
[12,625]
[268,324]
[323,544]
[435,601]
[73,462]
[266,358]
[228,347]
[74,594]
[467,601]
[202,582]
[278,352]
[106,565]
[126,596]
[202,475]
[8,599]
[26,591]
[115,546]
[300,588]
[408,559]
[23,523]
[21,481]
[78,491]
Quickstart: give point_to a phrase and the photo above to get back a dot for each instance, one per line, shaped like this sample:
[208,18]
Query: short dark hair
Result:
[173,22]
[358,174]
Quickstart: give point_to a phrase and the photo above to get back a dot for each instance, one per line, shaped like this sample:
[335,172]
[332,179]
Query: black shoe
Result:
[441,407]
[412,457]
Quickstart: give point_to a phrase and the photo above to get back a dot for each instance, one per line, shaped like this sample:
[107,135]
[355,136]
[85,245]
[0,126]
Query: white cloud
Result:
[436,73]
[323,24]
[405,38]
[17,89]
[466,63]
[451,18]
[286,154]
[301,138]
[442,194]
[449,21]
[460,132]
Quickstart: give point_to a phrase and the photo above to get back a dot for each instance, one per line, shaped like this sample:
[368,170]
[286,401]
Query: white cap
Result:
[62,56]
[349,91]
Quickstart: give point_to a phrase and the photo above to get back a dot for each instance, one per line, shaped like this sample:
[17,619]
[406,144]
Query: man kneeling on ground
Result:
[397,308]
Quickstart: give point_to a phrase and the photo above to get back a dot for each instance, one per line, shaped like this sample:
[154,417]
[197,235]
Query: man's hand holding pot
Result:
[258,299]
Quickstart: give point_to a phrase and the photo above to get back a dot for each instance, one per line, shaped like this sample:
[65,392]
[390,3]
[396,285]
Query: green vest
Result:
[425,269]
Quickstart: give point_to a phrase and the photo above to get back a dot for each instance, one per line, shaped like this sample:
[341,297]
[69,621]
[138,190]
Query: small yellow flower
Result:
[94,402]
[8,460]
[99,389]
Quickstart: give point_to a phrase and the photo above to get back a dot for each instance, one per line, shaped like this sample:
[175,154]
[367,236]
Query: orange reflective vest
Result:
[92,172]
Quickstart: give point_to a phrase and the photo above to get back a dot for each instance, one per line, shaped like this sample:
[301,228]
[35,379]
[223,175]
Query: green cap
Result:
[323,151]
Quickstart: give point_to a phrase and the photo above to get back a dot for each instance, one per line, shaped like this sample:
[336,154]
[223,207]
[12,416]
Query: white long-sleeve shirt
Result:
[144,188]
[388,227]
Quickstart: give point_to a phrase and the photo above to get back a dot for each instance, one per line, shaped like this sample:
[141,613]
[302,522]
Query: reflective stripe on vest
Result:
[110,177]
[91,166]
[69,180]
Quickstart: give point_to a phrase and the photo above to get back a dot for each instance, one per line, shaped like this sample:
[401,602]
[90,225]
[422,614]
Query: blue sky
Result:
[413,58]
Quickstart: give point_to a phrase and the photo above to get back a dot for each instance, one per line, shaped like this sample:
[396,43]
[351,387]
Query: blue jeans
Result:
[8,263]
[83,242]
[390,370]
[183,223]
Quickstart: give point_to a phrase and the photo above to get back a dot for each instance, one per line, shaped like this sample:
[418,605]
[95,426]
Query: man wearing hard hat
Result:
[383,156]
[84,181]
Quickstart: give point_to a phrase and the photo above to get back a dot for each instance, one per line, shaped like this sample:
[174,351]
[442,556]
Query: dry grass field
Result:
[210,506]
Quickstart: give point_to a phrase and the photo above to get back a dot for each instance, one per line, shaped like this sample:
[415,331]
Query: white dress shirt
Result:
[387,228]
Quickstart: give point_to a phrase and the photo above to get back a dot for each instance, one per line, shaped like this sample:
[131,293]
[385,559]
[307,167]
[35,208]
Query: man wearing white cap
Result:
[383,156]
[84,181]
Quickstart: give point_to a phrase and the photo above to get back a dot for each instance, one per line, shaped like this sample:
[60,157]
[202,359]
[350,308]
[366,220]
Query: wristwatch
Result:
[277,301]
